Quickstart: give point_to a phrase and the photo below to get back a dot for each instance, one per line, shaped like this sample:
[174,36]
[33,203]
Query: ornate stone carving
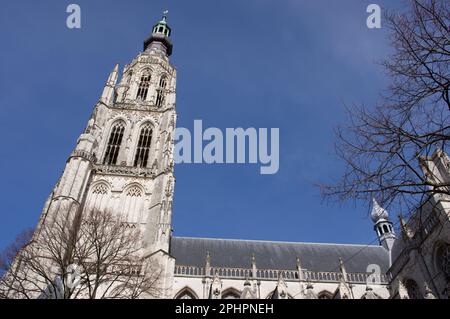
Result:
[83,154]
[125,170]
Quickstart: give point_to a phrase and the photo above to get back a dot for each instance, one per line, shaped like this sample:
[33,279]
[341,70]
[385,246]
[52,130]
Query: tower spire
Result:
[159,39]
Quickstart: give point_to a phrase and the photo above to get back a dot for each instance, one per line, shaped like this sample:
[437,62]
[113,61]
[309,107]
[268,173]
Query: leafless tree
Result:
[382,146]
[97,257]
[8,255]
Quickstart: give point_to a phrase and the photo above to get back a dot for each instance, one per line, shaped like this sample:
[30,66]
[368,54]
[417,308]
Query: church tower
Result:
[123,161]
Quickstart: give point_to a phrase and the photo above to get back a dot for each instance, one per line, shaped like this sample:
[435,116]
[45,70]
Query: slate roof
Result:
[277,255]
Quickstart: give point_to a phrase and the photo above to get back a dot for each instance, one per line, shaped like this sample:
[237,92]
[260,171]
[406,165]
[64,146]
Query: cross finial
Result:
[165,13]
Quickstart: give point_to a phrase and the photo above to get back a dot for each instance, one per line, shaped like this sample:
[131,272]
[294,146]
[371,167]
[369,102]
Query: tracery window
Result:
[186,293]
[161,91]
[98,198]
[413,289]
[143,86]
[132,204]
[134,192]
[100,189]
[143,147]
[325,295]
[230,296]
[443,259]
[114,142]
[130,76]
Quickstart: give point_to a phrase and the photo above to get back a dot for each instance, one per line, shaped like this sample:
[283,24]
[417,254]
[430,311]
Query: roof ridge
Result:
[279,242]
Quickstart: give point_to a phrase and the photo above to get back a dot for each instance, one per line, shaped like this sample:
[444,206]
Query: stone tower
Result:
[123,161]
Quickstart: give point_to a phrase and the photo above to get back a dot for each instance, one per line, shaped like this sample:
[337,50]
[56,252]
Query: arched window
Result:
[385,228]
[132,204]
[114,142]
[231,293]
[443,259]
[98,198]
[161,91]
[186,293]
[325,295]
[143,86]
[130,76]
[143,147]
[413,289]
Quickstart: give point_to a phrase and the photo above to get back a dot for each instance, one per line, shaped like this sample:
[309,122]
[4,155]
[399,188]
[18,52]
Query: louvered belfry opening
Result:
[143,148]
[143,87]
[161,92]
[115,140]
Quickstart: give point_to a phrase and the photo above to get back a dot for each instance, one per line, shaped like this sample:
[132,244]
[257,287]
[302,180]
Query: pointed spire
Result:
[113,76]
[208,258]
[109,90]
[299,263]
[344,288]
[254,269]
[299,269]
[215,290]
[208,264]
[343,270]
[406,232]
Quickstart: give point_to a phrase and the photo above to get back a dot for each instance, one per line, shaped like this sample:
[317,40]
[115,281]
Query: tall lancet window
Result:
[143,147]
[132,204]
[144,85]
[114,142]
[98,199]
[161,91]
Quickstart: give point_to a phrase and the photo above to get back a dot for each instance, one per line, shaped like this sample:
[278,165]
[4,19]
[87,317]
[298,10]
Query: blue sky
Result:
[259,63]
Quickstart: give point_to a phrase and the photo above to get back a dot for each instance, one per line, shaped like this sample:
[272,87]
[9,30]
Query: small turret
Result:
[383,227]
[109,90]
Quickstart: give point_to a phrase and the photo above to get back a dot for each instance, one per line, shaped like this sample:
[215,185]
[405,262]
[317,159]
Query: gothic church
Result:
[123,162]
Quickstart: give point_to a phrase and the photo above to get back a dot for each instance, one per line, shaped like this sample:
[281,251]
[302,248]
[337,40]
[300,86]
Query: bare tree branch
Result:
[97,257]
[382,146]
